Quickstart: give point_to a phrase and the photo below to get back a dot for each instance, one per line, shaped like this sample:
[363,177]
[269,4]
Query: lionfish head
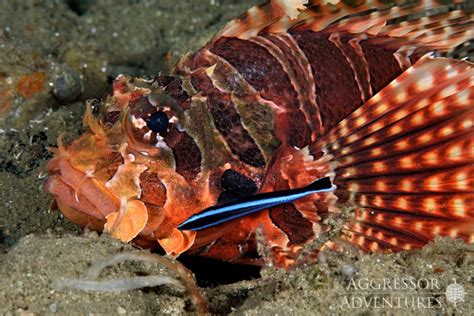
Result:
[136,171]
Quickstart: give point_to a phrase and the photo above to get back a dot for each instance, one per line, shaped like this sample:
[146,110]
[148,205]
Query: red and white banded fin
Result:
[411,39]
[406,159]
[279,16]
[417,27]
[440,32]
[258,17]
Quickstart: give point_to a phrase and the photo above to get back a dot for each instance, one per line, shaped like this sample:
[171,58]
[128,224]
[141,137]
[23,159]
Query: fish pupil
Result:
[158,122]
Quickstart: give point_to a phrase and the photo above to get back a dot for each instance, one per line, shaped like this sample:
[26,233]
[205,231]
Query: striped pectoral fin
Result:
[378,230]
[406,159]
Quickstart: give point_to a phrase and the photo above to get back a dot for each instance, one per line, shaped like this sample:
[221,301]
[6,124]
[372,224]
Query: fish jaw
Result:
[78,190]
[92,203]
[100,191]
[80,208]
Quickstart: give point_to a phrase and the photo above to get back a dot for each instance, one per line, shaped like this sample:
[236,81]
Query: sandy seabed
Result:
[54,55]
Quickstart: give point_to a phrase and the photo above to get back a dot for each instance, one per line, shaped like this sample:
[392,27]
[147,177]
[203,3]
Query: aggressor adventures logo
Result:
[455,293]
[400,293]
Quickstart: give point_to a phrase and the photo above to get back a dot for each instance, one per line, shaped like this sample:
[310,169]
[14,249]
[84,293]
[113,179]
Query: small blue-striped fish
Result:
[219,214]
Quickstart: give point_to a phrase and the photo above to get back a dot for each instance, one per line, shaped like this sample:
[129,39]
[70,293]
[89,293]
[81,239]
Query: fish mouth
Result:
[89,202]
[82,199]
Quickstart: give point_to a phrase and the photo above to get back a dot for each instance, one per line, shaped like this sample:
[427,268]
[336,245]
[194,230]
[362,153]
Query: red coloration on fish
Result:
[282,96]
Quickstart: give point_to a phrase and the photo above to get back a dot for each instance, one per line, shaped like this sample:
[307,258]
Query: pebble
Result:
[67,86]
[53,308]
[348,270]
[121,310]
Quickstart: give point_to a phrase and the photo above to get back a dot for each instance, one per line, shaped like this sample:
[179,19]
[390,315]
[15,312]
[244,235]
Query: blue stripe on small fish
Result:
[219,214]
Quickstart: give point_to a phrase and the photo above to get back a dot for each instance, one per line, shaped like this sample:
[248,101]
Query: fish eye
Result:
[158,122]
[150,127]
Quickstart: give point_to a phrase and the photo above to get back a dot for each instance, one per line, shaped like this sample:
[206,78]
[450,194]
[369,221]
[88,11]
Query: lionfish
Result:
[290,92]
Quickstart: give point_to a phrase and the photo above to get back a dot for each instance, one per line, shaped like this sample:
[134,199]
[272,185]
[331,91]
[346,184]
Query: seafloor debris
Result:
[90,283]
[31,84]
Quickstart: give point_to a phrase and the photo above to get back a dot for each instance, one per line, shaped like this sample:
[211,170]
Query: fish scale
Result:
[290,92]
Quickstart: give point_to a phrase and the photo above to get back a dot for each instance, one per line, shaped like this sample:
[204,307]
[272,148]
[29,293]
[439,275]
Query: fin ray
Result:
[406,159]
[441,31]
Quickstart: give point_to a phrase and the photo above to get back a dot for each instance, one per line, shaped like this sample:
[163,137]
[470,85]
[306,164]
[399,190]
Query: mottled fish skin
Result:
[282,96]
